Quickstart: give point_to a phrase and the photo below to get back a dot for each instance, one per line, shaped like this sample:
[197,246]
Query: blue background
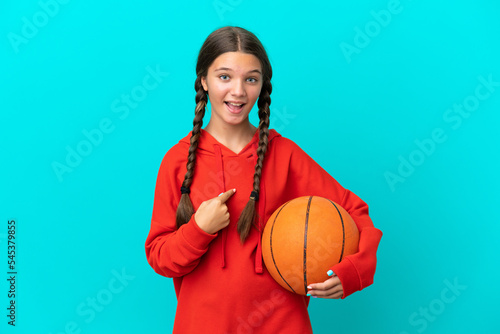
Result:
[360,113]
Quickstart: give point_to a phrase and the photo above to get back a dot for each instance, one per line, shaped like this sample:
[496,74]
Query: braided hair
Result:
[228,39]
[248,215]
[185,209]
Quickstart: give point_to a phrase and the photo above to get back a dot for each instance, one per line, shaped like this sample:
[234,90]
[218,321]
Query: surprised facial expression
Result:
[233,82]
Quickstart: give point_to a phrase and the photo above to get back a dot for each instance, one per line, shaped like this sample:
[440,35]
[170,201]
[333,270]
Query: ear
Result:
[204,83]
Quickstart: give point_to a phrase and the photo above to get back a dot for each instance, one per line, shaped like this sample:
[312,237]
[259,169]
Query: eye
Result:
[224,77]
[252,80]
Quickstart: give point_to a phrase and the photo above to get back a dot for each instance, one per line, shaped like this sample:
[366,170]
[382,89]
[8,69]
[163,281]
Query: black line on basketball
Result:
[305,243]
[271,246]
[343,231]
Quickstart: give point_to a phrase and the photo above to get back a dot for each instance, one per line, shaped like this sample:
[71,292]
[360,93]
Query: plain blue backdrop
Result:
[398,100]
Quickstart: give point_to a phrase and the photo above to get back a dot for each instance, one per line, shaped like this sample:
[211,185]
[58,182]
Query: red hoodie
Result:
[221,284]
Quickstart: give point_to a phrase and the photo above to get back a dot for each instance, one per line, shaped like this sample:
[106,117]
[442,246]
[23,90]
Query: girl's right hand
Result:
[212,215]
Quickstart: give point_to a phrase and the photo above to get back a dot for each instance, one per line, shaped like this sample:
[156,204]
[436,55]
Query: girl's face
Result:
[233,82]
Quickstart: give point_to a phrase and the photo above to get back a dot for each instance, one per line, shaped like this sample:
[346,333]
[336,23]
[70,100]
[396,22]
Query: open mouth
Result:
[234,107]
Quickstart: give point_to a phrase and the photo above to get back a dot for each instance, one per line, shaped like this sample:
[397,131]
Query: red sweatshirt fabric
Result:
[222,285]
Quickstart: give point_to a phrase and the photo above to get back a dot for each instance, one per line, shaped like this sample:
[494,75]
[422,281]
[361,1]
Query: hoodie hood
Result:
[211,147]
[207,144]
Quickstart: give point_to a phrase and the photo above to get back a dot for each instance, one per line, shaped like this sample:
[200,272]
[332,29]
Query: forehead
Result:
[237,62]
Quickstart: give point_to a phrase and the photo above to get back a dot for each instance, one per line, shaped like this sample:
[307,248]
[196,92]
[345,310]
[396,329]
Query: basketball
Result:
[303,238]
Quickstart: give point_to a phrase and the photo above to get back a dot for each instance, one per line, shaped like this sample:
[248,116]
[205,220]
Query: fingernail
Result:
[309,287]
[315,296]
[329,272]
[308,295]
[234,190]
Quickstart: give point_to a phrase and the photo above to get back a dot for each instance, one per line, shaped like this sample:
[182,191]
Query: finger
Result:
[336,295]
[225,196]
[325,292]
[331,273]
[329,283]
[332,292]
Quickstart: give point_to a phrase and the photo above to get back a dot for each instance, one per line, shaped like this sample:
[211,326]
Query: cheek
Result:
[218,89]
[255,93]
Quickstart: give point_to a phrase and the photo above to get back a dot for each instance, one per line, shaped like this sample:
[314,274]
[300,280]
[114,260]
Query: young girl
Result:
[217,188]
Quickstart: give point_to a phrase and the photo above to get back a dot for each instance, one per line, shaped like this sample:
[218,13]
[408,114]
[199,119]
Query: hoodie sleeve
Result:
[307,177]
[170,251]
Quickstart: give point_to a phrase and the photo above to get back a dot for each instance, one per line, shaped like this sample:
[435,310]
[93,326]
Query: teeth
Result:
[234,104]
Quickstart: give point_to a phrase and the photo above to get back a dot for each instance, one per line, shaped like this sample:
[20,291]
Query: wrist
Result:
[202,225]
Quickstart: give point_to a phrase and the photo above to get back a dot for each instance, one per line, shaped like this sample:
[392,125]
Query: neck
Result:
[234,137]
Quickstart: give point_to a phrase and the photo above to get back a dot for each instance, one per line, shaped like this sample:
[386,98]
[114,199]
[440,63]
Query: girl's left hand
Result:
[331,288]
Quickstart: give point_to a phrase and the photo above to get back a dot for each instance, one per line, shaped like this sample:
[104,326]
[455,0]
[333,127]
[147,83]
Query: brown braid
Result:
[228,39]
[248,216]
[185,209]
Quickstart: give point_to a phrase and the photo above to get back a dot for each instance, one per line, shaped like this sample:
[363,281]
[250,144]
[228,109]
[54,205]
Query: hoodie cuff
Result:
[195,236]
[348,275]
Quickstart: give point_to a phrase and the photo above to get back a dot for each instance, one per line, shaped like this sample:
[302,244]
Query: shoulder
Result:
[177,154]
[285,149]
[278,142]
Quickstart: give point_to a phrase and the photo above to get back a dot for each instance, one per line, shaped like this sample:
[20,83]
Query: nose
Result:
[238,88]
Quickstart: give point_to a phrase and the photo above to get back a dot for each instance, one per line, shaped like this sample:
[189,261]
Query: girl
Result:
[209,212]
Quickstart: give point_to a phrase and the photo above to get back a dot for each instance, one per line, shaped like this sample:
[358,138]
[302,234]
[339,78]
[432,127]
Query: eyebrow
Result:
[228,69]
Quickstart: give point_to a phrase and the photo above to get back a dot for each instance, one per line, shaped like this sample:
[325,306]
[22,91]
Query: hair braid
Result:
[248,215]
[220,41]
[185,209]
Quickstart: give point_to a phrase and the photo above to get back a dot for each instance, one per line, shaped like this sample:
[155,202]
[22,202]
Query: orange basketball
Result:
[305,237]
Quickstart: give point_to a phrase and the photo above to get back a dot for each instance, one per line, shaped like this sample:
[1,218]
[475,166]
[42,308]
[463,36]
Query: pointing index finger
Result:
[225,196]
